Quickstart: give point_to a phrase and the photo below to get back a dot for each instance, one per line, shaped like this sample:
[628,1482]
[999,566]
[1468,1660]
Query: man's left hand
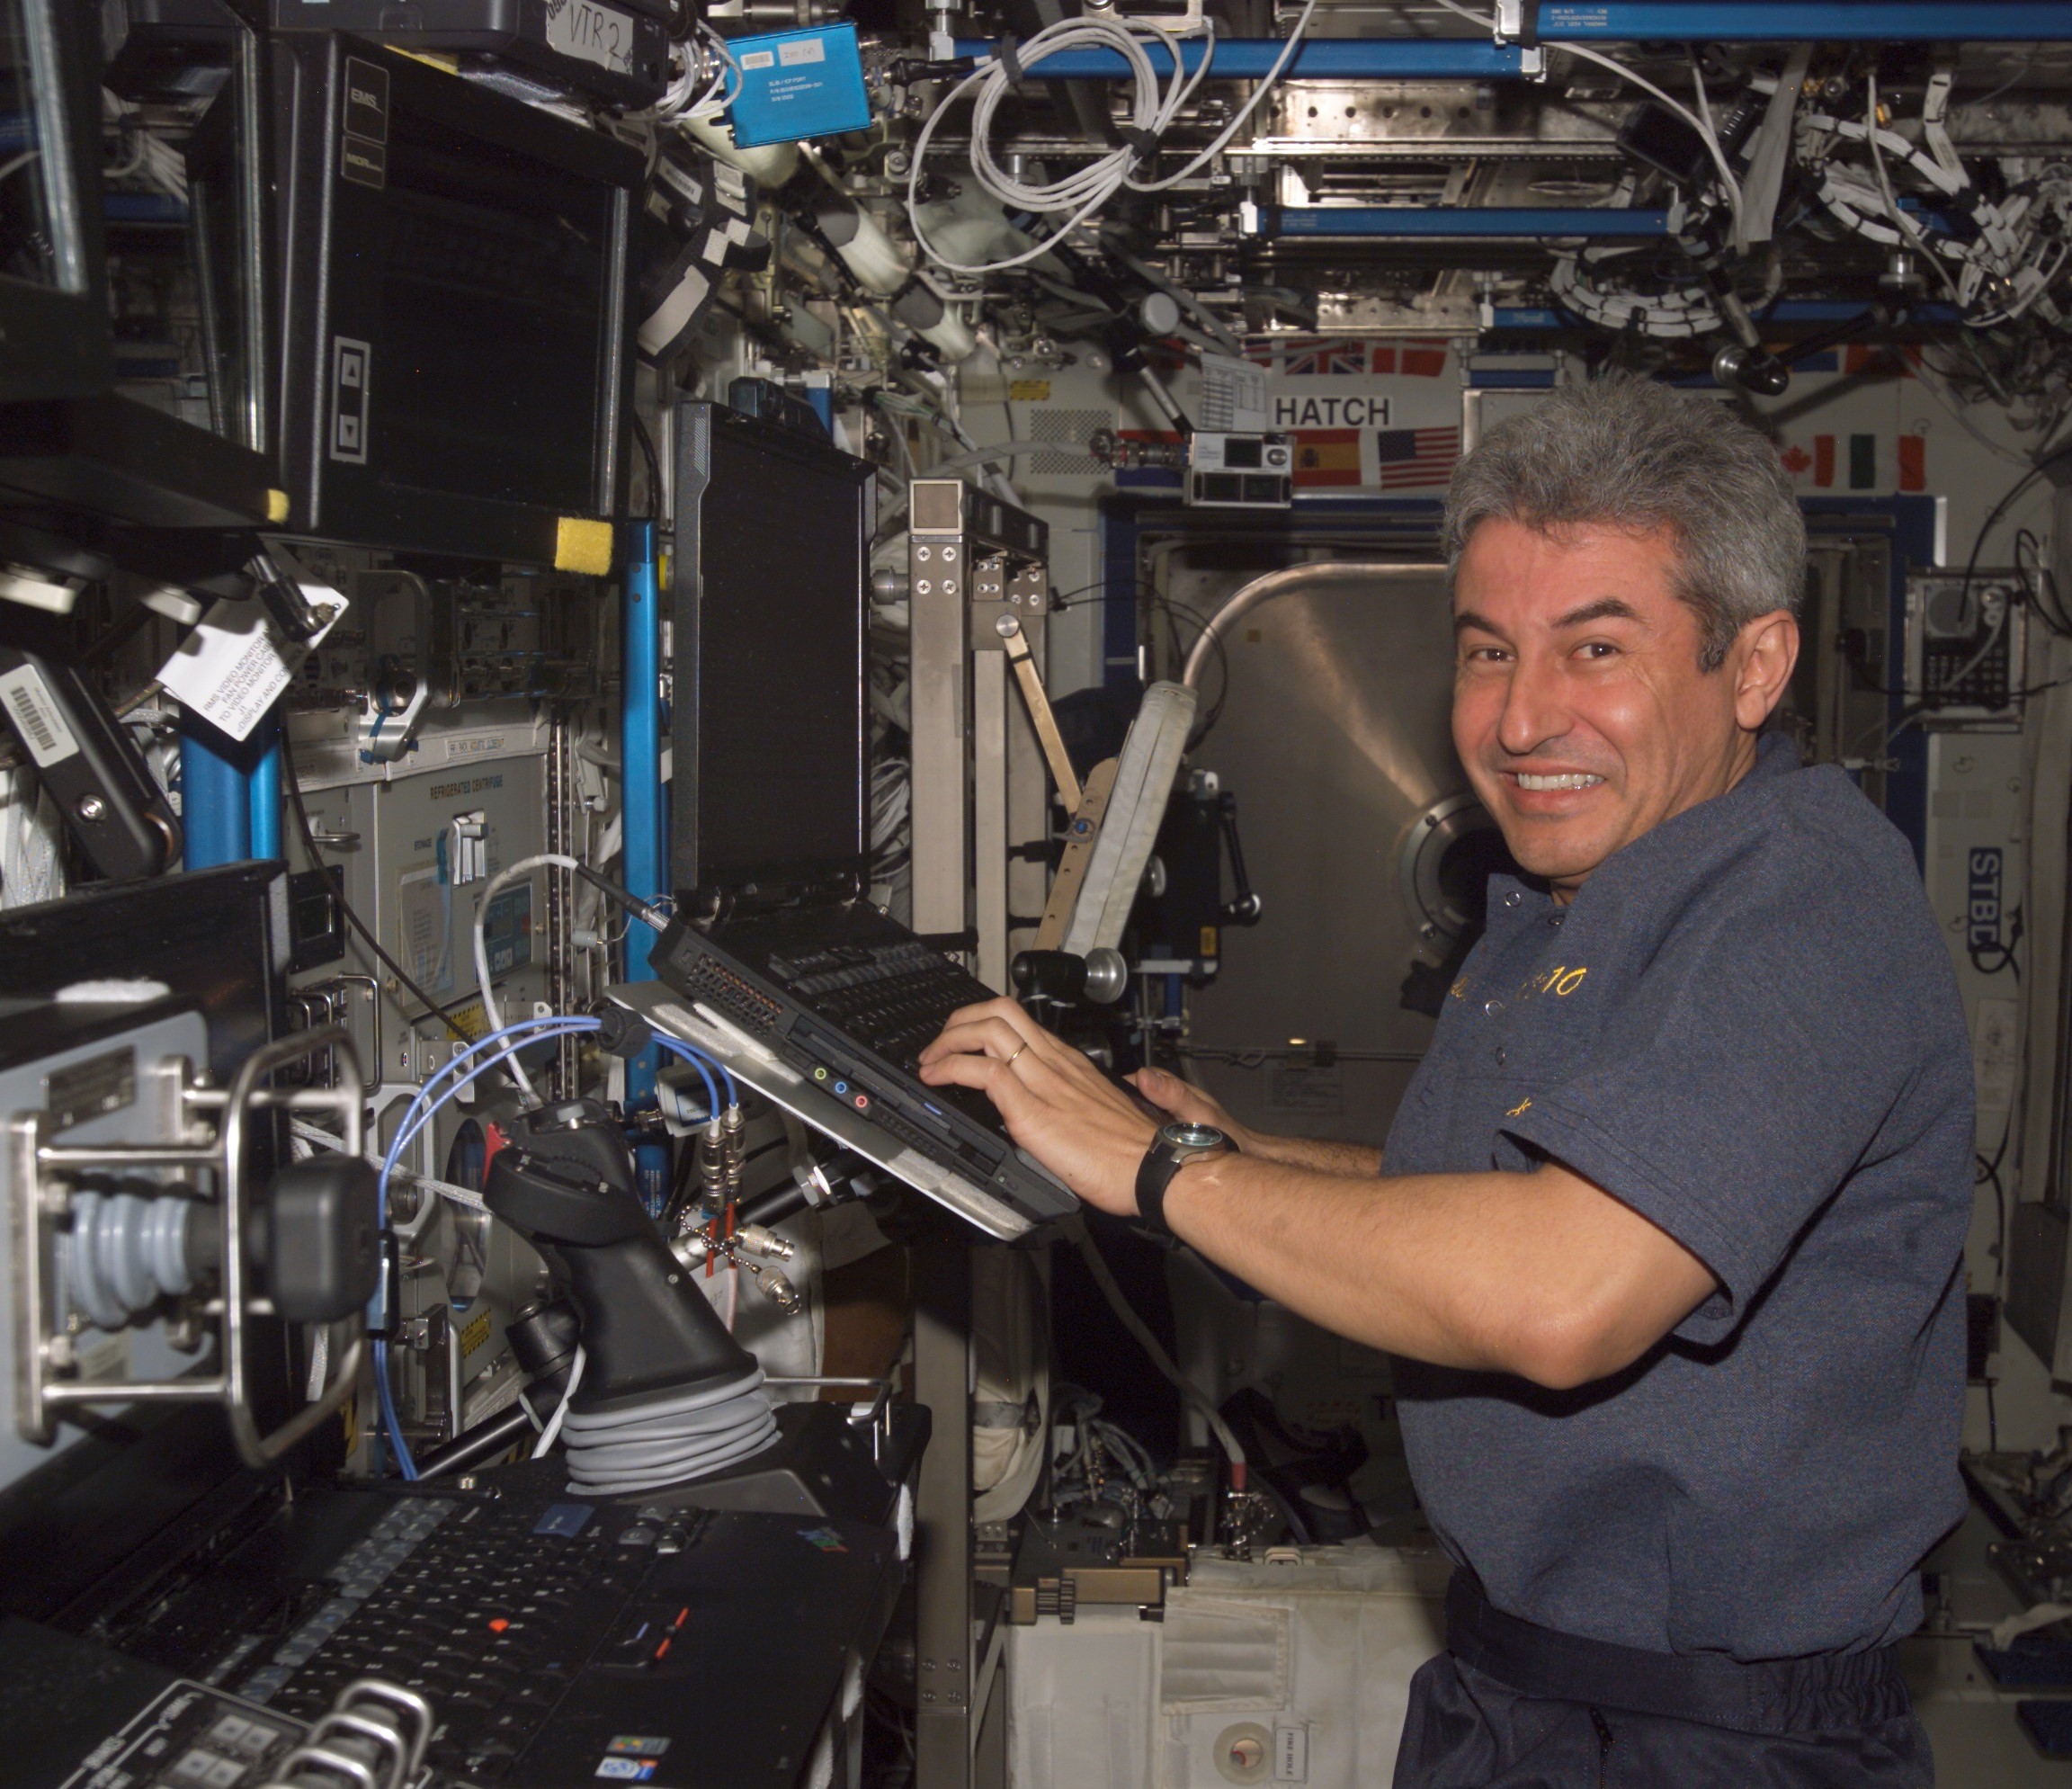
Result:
[1055,1102]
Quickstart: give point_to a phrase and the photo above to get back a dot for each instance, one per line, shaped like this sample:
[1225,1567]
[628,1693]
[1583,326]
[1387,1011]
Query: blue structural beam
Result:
[1791,311]
[642,815]
[1461,220]
[264,788]
[1320,58]
[1468,59]
[1789,20]
[215,797]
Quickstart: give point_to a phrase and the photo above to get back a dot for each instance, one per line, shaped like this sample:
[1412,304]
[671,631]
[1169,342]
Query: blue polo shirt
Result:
[1746,1027]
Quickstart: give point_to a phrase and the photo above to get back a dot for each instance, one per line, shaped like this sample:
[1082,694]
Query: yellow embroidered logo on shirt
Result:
[1518,1108]
[1560,980]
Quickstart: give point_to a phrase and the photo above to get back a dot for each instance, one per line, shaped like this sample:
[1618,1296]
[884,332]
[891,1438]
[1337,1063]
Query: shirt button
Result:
[1502,1056]
[1513,898]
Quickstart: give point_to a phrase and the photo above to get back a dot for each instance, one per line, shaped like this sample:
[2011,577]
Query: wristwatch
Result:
[1171,1150]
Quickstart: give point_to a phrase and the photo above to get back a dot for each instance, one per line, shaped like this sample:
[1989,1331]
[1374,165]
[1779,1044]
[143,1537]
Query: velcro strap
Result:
[1011,60]
[1145,142]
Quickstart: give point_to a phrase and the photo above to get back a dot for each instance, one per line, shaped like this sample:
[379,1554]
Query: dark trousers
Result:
[1510,1705]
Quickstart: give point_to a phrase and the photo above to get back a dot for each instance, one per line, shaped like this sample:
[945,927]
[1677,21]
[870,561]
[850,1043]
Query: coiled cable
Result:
[678,1436]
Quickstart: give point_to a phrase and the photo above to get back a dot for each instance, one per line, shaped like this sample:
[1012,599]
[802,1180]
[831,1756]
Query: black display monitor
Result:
[453,367]
[55,338]
[770,731]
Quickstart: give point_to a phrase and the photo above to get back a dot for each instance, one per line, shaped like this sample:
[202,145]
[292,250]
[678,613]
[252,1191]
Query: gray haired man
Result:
[1668,1231]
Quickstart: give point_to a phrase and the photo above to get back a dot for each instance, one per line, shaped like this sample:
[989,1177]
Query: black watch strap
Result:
[1154,1173]
[1173,1148]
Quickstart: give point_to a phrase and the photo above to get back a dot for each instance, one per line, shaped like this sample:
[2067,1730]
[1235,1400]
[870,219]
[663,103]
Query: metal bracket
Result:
[1045,723]
[1080,835]
[43,1173]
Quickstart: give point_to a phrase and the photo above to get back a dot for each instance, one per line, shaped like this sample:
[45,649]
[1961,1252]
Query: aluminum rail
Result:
[1441,222]
[1244,600]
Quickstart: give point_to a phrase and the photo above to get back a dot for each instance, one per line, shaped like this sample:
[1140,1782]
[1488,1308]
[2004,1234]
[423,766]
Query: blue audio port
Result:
[842,1086]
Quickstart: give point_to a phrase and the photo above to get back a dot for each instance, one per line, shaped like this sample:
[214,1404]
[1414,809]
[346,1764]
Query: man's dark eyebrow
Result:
[1605,608]
[1467,619]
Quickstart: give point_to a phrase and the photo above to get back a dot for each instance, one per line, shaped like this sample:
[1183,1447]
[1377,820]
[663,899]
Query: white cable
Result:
[304,1132]
[1096,1264]
[1901,221]
[1702,126]
[1712,145]
[1155,103]
[502,880]
[552,1432]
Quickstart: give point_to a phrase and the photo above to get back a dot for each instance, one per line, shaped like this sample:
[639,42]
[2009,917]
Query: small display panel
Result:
[781,761]
[477,243]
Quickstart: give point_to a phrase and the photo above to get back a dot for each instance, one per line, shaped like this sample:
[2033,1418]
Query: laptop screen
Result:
[771,779]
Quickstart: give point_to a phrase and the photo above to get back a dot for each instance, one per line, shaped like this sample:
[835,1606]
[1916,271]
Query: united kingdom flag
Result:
[1317,358]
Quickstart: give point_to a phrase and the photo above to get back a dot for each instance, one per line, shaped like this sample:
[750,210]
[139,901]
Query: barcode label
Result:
[36,717]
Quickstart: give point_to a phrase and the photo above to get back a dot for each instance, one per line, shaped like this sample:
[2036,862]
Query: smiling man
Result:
[1668,1231]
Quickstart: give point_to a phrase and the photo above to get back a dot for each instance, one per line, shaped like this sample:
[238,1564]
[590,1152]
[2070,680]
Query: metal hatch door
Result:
[1360,834]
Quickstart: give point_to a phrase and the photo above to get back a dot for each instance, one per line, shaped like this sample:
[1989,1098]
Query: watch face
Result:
[1192,1136]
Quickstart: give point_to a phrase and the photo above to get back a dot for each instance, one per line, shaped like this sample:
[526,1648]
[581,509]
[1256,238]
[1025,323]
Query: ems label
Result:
[35,715]
[363,144]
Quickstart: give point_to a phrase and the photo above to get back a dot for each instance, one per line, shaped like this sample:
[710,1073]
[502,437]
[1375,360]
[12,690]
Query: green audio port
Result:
[820,1074]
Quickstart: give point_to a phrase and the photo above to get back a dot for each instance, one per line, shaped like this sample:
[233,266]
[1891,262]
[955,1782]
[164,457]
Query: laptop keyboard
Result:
[489,1611]
[891,996]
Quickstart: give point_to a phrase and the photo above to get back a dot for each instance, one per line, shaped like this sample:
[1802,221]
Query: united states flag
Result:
[1415,458]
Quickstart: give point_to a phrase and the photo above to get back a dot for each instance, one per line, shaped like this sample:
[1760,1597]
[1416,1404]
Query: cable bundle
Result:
[1154,103]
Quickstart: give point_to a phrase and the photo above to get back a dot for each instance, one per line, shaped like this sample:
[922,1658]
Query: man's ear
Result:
[1764,654]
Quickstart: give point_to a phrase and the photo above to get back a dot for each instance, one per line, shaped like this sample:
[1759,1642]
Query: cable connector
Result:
[622,1034]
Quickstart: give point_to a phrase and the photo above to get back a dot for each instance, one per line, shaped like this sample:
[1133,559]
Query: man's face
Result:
[1580,712]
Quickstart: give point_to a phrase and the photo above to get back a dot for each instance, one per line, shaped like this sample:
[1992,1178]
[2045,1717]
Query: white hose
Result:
[1097,1265]
[552,1432]
[497,884]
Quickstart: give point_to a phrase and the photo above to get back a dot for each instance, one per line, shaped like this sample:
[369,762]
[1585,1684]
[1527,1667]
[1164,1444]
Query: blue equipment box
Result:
[798,84]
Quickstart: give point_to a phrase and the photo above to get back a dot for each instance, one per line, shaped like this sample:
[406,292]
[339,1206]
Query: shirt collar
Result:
[1775,757]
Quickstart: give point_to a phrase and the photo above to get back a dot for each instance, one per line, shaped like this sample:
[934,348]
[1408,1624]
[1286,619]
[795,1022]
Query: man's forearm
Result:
[1539,1275]
[1318,1154]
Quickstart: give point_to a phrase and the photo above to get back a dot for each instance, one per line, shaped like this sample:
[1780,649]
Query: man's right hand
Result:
[1188,1103]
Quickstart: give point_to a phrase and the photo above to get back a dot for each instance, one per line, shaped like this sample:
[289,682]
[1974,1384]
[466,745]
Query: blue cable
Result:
[536,1030]
[389,1420]
[424,1107]
[698,1061]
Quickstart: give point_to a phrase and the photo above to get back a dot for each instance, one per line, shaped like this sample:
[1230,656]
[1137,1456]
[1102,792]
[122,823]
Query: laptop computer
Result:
[828,1009]
[559,1638]
[770,809]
